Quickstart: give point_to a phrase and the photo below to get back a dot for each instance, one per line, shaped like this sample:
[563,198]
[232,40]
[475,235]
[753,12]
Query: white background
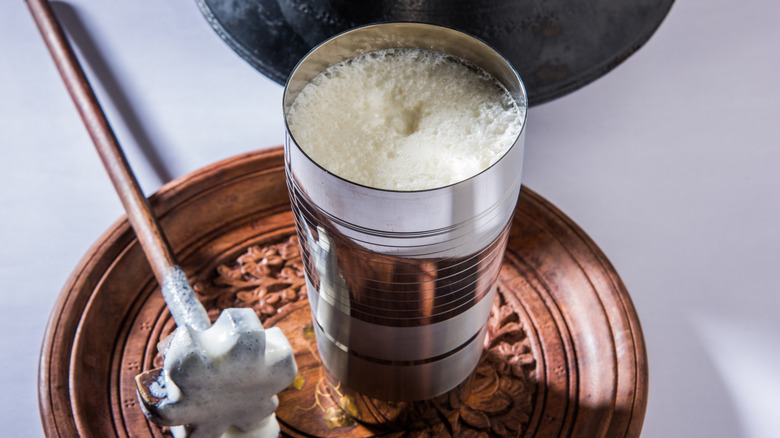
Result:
[669,162]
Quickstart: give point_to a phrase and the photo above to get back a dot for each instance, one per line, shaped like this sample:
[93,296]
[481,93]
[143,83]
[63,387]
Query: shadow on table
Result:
[74,28]
[689,395]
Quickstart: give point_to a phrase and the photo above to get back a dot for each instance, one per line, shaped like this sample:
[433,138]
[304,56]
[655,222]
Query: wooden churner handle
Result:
[178,295]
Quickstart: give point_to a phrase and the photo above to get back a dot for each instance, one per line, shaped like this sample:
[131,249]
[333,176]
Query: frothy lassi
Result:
[404,119]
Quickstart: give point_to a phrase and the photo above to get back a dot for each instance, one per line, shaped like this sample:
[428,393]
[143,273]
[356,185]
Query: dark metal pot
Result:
[557,46]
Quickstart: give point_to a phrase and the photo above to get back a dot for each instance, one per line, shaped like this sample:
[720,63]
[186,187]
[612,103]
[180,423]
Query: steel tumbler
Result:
[401,283]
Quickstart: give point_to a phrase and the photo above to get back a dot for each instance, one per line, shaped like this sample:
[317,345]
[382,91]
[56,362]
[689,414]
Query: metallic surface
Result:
[400,283]
[557,46]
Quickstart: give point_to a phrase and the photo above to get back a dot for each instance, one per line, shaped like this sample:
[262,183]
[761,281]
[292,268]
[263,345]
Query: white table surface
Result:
[669,162]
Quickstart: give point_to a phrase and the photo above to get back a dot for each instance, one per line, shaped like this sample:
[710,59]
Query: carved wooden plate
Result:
[564,353]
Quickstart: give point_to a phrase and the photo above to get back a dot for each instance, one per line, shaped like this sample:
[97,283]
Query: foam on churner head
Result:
[404,119]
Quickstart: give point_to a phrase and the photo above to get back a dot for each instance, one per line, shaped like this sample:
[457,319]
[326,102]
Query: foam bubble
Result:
[404,119]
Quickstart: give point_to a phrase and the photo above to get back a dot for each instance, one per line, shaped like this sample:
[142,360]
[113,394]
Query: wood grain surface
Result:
[564,356]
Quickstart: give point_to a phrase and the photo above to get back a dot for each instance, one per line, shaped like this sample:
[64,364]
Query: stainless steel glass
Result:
[401,283]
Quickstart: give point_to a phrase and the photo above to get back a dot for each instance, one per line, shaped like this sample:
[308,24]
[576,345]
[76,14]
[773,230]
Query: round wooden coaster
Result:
[564,353]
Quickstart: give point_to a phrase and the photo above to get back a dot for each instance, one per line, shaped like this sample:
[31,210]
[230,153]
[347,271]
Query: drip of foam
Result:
[404,119]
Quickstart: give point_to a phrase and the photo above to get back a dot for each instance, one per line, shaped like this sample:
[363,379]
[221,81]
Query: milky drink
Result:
[403,160]
[404,119]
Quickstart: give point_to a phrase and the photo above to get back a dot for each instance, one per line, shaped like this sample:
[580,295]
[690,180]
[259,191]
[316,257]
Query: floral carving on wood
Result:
[264,277]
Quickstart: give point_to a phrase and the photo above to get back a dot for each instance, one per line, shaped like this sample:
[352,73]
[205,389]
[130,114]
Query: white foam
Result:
[404,119]
[225,377]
